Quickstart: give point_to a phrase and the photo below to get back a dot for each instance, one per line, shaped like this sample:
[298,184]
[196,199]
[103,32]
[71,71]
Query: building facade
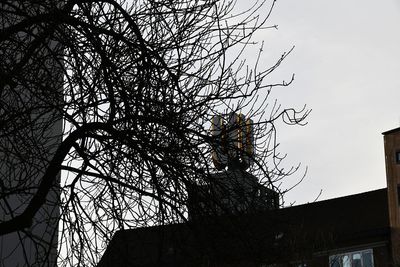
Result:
[30,131]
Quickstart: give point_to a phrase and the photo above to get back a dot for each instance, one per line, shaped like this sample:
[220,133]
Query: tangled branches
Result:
[135,85]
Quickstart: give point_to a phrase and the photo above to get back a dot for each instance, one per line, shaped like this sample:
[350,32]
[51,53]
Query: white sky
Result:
[347,67]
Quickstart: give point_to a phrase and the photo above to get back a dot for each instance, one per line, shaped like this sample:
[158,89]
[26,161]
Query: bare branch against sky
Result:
[346,61]
[136,85]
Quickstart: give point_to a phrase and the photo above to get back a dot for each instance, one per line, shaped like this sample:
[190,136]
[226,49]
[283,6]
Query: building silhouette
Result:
[31,130]
[358,230]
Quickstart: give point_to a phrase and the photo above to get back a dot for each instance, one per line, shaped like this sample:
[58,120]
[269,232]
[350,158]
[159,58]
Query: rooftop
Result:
[266,236]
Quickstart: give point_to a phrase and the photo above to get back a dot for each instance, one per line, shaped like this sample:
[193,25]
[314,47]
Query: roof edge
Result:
[337,198]
[391,131]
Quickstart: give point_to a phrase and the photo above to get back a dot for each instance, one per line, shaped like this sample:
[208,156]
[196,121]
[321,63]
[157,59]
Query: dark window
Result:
[398,195]
[398,157]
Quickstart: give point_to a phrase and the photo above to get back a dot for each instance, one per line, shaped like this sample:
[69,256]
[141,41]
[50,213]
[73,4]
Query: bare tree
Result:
[135,85]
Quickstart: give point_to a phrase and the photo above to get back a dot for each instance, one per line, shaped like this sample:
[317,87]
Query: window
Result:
[363,258]
[398,194]
[397,157]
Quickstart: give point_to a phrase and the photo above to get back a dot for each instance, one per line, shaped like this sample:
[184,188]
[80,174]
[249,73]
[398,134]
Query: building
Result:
[358,230]
[30,131]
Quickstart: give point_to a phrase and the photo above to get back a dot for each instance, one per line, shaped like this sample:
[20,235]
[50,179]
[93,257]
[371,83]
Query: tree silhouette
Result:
[135,85]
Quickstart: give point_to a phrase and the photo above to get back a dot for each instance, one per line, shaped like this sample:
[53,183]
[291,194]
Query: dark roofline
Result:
[335,198]
[325,225]
[391,131]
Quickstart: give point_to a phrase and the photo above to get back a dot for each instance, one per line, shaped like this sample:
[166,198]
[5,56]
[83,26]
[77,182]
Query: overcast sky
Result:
[347,70]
